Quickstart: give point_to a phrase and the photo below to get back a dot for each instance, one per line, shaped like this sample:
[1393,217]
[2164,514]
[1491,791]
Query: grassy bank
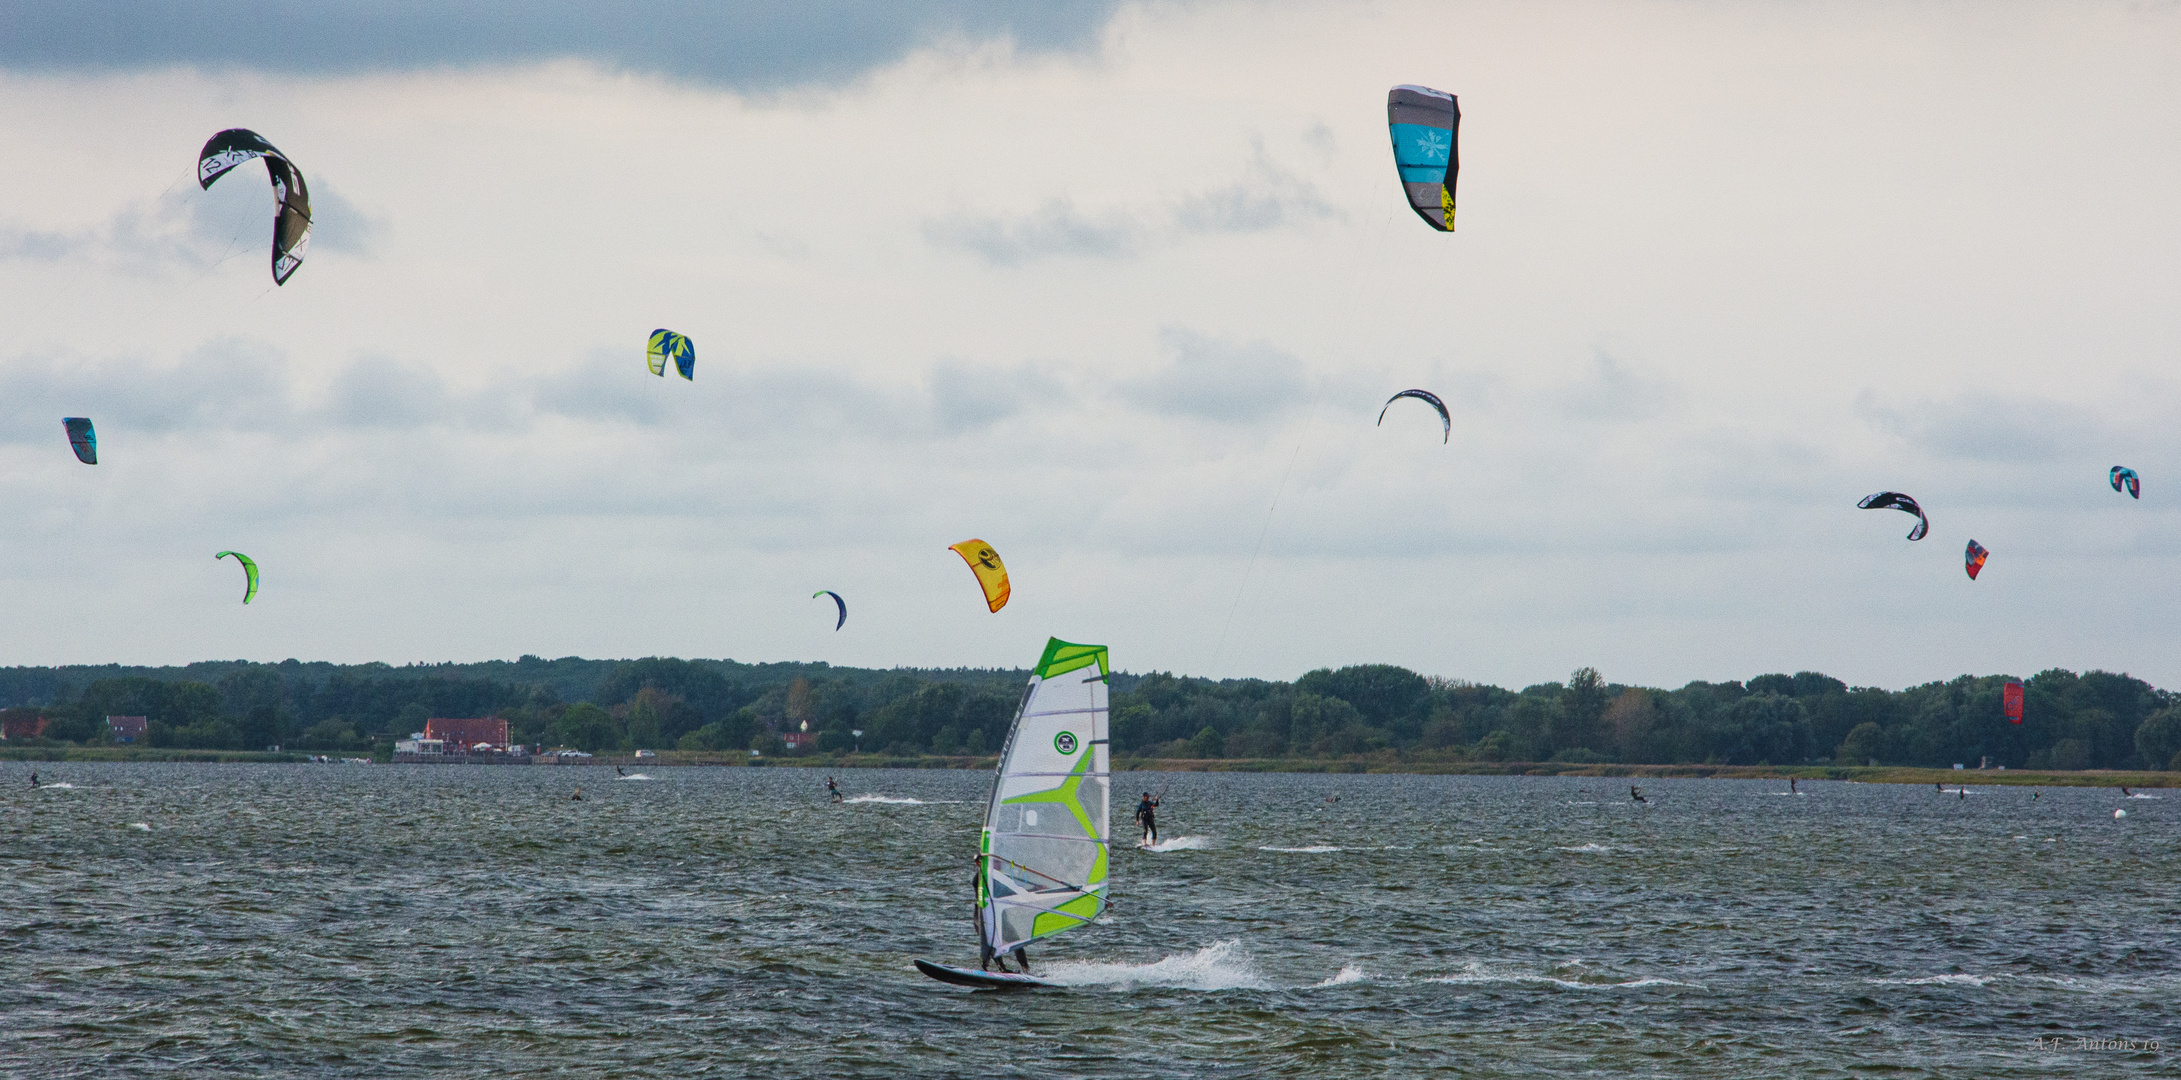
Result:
[140,753]
[1882,774]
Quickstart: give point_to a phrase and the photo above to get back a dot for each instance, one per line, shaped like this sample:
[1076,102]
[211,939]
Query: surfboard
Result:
[979,980]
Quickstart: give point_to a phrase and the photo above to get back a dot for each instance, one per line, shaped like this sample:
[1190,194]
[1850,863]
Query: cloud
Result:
[1615,391]
[966,397]
[1983,427]
[1055,228]
[753,45]
[1219,380]
[1270,198]
[189,229]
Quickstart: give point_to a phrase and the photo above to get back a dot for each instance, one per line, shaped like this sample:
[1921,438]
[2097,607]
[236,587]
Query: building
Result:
[21,724]
[460,735]
[127,729]
[417,744]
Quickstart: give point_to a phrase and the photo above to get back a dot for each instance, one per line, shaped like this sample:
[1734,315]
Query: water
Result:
[343,920]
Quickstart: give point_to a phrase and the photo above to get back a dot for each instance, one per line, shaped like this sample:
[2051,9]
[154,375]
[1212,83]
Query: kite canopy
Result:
[2011,700]
[991,572]
[1973,558]
[82,437]
[667,343]
[249,573]
[1446,422]
[1894,500]
[291,198]
[2123,476]
[836,599]
[1425,124]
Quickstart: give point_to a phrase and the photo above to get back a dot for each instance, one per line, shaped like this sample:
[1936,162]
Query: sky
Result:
[1119,289]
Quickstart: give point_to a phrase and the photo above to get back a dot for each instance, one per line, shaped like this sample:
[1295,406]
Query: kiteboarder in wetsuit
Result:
[34,778]
[1636,795]
[1147,811]
[833,788]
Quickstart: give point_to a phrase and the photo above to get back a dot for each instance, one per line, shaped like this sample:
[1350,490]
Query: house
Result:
[802,739]
[460,735]
[418,744]
[21,724]
[127,729]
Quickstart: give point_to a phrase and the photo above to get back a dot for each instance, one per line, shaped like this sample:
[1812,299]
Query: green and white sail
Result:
[1042,864]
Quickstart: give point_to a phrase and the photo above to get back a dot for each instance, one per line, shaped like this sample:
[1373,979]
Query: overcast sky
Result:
[1100,286]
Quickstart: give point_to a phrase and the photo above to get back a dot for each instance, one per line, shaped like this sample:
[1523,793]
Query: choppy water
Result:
[329,920]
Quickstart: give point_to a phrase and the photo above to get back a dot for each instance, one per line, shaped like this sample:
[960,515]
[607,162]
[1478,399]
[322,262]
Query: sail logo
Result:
[1065,743]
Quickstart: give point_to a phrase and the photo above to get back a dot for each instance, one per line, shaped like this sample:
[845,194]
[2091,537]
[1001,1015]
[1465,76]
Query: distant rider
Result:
[833,788]
[1147,816]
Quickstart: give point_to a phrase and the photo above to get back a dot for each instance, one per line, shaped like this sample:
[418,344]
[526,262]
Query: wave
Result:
[1477,973]
[634,776]
[58,785]
[898,800]
[139,826]
[1348,973]
[1179,843]
[1314,849]
[1594,849]
[1936,980]
[1219,966]
[2140,795]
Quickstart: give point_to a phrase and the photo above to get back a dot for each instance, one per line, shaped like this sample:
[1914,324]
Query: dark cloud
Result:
[743,44]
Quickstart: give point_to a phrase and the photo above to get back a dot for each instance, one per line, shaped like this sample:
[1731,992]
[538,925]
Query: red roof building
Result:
[460,735]
[21,724]
[126,728]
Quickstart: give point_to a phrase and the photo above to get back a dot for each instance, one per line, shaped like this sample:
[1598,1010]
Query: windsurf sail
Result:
[1042,856]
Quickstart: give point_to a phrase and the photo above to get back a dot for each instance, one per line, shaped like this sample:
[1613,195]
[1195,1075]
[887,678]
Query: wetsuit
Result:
[1147,815]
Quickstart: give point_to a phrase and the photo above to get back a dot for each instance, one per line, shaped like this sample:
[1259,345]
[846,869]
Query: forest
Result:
[2092,720]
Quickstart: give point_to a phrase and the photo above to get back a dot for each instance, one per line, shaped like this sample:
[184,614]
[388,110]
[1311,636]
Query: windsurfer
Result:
[1147,816]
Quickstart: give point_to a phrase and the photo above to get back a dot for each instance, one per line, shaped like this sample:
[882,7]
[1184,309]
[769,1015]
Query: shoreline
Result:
[1878,774]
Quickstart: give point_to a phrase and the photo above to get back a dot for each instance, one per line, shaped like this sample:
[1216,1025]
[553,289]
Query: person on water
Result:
[833,788]
[1636,795]
[617,771]
[34,778]
[2125,793]
[1791,786]
[577,797]
[1147,816]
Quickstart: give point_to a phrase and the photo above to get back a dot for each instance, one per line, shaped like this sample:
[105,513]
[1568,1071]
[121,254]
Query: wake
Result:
[1220,966]
[1179,843]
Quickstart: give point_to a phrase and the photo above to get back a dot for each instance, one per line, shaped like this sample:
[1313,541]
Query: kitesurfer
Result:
[1939,786]
[2125,793]
[833,788]
[1791,786]
[1636,795]
[577,797]
[617,771]
[34,778]
[1147,810]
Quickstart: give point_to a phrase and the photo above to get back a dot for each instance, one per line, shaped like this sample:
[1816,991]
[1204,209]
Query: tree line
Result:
[2094,719]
